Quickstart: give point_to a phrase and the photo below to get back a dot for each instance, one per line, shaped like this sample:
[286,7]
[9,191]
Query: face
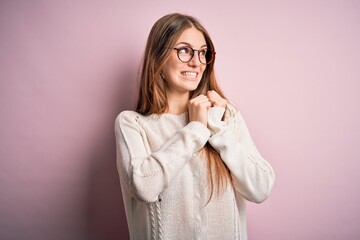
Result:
[182,78]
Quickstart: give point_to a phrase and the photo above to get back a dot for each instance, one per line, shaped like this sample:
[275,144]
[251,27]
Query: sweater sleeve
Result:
[252,175]
[143,173]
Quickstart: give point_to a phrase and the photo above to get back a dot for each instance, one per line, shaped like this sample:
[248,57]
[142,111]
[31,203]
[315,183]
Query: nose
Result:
[195,61]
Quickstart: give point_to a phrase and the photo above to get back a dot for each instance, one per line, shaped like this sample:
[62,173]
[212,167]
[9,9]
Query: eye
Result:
[203,52]
[185,50]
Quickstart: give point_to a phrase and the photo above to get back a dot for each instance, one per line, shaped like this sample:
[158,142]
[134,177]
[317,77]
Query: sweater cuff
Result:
[216,114]
[214,119]
[200,130]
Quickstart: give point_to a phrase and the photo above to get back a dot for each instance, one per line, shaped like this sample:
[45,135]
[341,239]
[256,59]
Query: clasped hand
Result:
[200,105]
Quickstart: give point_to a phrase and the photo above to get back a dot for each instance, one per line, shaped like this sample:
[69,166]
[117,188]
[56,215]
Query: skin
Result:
[180,83]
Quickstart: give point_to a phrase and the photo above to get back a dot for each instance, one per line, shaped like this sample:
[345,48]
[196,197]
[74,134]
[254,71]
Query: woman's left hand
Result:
[216,100]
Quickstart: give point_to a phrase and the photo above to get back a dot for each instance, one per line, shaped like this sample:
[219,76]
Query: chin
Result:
[192,88]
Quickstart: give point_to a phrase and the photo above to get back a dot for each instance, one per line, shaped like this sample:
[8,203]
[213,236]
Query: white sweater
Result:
[164,178]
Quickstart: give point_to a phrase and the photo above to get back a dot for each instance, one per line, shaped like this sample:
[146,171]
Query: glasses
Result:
[185,54]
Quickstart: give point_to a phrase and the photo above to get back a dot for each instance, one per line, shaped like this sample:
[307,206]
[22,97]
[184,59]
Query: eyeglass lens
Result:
[185,54]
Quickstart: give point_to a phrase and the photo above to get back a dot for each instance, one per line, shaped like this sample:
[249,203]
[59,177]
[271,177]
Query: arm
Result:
[252,176]
[145,174]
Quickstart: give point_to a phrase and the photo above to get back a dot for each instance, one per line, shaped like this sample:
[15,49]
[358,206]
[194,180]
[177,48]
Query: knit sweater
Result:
[164,179]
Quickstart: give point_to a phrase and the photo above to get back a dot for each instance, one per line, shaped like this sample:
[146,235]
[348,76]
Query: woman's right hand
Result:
[198,109]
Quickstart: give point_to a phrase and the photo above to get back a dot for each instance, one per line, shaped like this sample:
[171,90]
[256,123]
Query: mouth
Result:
[190,75]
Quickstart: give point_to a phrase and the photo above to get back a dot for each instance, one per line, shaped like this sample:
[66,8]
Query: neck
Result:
[178,103]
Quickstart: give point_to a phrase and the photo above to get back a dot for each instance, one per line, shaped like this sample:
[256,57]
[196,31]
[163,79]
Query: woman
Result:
[185,158]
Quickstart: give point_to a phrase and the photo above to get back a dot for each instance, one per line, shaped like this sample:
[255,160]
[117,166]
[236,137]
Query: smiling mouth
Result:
[191,75]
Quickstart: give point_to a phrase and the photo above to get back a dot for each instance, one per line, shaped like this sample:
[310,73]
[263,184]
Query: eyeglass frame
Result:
[198,50]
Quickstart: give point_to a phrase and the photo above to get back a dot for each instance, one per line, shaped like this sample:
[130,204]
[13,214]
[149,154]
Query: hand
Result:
[198,109]
[216,100]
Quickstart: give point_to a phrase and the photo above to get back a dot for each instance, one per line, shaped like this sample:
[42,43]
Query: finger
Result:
[214,95]
[198,98]
[203,103]
[216,99]
[213,100]
[208,104]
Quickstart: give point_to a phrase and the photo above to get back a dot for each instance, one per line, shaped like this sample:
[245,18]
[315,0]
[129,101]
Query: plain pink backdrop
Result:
[67,68]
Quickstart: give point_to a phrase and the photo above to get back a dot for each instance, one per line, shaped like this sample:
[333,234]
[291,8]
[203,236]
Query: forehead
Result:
[193,37]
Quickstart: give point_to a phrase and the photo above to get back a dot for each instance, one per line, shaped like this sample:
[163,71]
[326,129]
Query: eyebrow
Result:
[186,43]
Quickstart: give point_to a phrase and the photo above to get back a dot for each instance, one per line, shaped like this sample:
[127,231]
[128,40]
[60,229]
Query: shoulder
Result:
[127,114]
[127,117]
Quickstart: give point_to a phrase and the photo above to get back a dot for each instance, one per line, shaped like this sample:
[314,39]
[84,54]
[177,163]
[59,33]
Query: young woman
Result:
[185,158]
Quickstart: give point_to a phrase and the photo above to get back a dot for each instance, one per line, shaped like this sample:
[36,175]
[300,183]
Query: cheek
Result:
[173,66]
[202,69]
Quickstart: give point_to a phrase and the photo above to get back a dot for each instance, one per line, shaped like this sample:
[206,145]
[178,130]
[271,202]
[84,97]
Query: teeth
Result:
[189,74]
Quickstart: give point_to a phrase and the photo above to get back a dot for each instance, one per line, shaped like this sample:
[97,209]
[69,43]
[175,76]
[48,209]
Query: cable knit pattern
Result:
[159,220]
[164,180]
[152,219]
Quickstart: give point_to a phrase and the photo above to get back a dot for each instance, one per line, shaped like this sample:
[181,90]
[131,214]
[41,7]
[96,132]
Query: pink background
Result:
[67,68]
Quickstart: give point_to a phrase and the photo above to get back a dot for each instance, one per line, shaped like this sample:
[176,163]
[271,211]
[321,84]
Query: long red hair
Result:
[152,95]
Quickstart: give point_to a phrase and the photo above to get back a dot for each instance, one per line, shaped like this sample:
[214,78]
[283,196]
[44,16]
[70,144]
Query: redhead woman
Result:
[186,161]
